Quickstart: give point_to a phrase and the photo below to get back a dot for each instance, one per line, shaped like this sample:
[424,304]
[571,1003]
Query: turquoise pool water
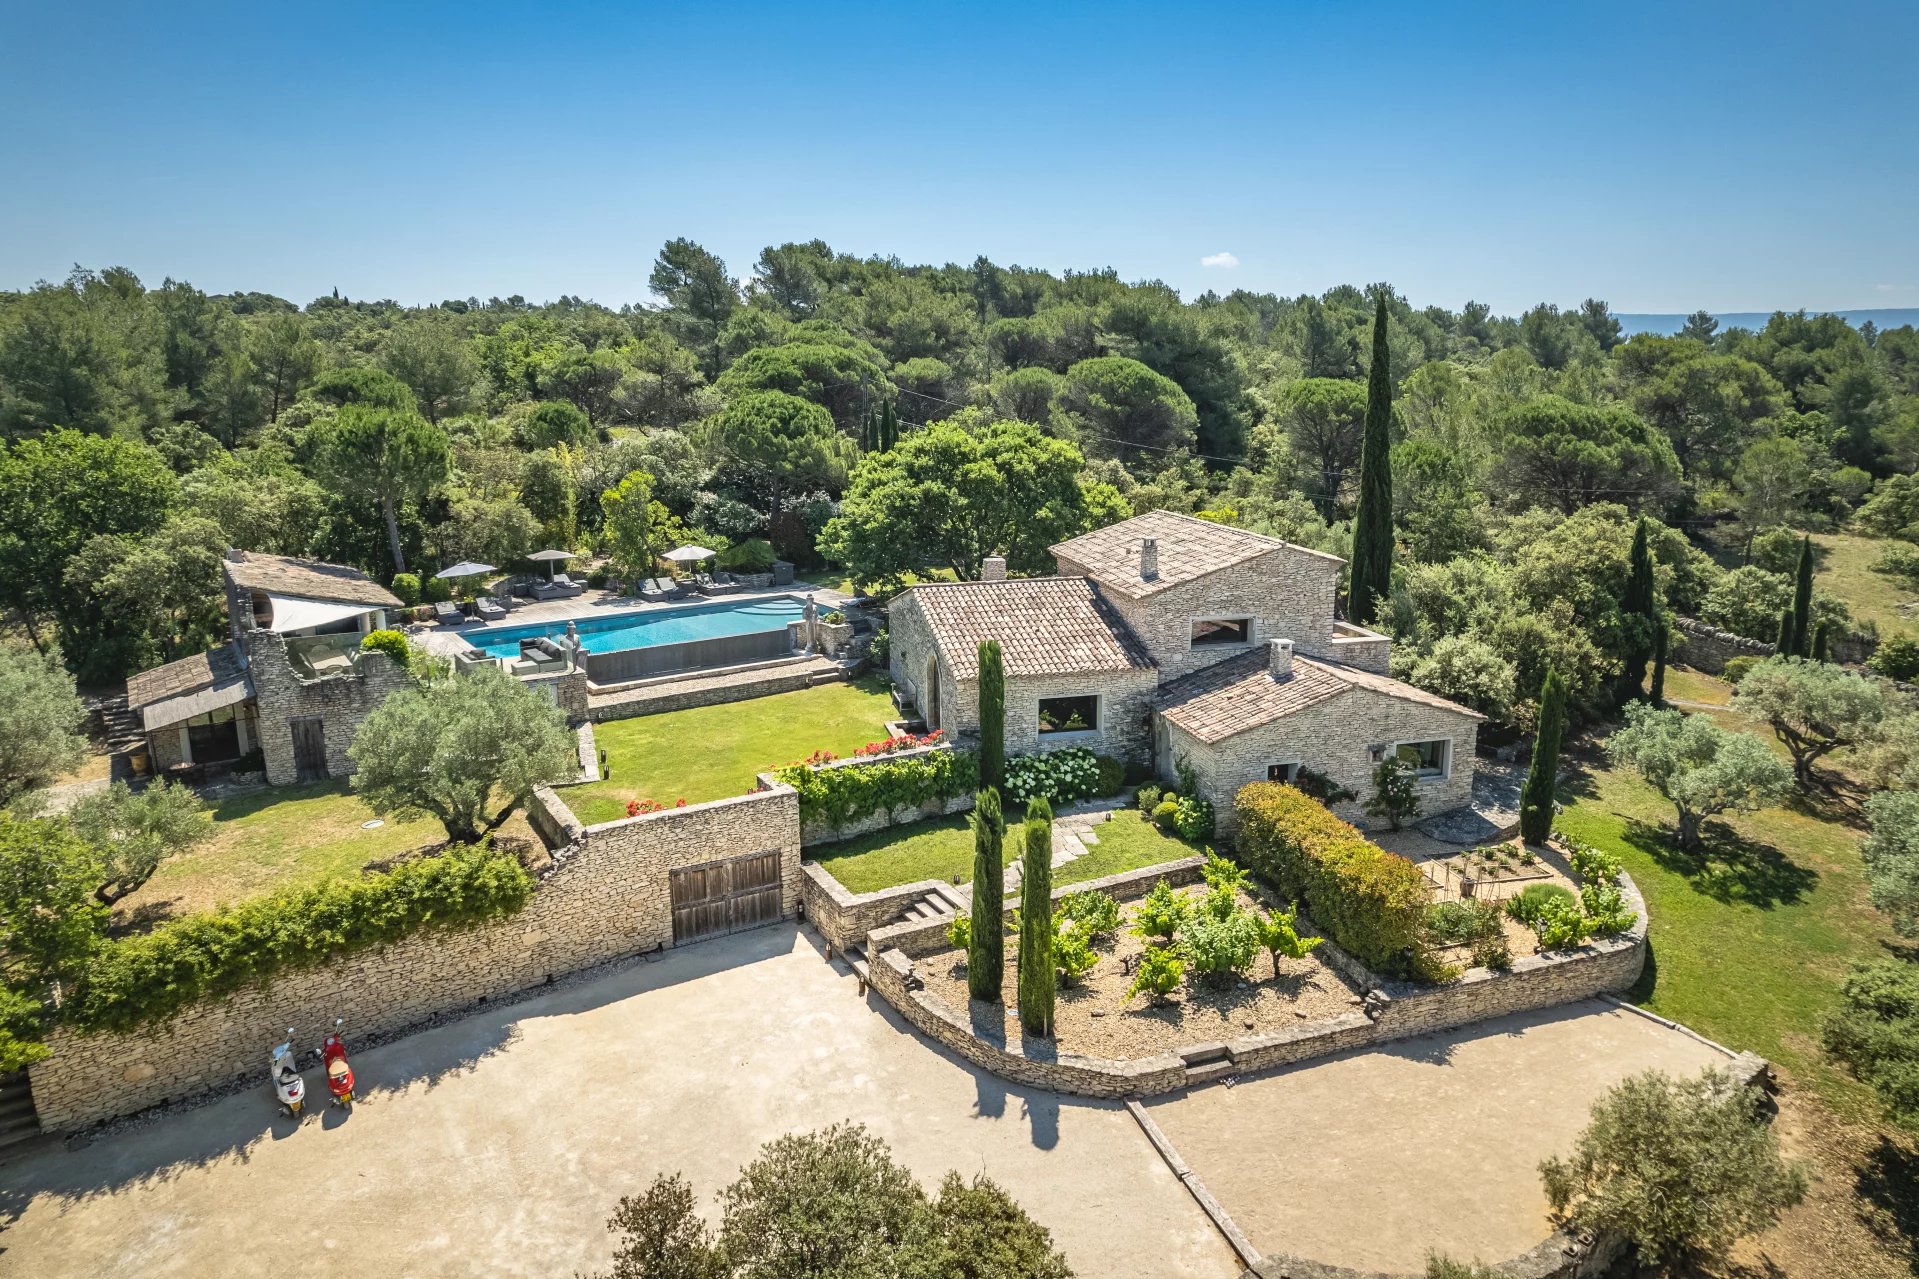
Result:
[617,632]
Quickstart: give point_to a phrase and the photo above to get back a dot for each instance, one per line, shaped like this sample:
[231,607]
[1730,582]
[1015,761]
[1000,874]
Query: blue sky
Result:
[1662,156]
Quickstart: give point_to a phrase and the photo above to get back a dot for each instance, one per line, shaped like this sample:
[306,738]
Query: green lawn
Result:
[1750,941]
[943,849]
[1845,571]
[711,752]
[276,838]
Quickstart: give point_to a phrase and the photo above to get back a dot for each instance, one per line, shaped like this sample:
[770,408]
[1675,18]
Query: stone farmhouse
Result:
[1166,639]
[290,683]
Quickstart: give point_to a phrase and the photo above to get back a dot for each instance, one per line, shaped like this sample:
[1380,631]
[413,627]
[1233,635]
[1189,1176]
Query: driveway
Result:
[1370,1159]
[500,1144]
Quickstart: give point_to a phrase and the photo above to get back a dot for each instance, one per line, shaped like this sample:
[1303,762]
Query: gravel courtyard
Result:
[500,1144]
[1370,1158]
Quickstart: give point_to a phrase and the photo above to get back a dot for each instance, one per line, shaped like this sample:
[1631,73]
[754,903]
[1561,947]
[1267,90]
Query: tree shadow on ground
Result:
[1727,867]
[1837,800]
[1888,1182]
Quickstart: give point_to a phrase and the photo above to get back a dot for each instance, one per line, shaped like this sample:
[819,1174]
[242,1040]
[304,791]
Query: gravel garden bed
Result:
[1094,1017]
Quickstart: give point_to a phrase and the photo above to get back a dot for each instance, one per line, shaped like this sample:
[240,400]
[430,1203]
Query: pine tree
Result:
[1036,923]
[1372,566]
[1802,602]
[1639,603]
[1662,643]
[1820,637]
[986,953]
[1542,779]
[1782,643]
[992,714]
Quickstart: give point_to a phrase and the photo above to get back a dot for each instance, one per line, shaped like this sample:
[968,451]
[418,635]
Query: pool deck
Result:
[445,641]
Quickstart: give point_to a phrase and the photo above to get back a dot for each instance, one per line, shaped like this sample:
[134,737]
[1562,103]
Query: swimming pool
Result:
[618,632]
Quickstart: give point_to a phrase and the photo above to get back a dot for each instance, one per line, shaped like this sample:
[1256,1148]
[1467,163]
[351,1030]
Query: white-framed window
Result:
[1214,632]
[1287,772]
[1430,758]
[1075,714]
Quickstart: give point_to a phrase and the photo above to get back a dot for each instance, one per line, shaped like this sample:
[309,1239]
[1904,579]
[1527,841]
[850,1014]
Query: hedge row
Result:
[843,793]
[1370,901]
[206,956]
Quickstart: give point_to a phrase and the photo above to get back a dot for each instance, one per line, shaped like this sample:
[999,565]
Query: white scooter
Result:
[288,1085]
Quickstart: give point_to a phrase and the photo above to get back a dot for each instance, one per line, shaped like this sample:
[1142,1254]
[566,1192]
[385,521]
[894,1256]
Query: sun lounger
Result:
[448,613]
[489,610]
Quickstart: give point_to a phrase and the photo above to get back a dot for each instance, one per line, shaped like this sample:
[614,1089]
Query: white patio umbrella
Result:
[550,558]
[688,554]
[466,568]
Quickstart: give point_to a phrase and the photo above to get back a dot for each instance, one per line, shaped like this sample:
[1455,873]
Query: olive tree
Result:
[1683,1167]
[1891,853]
[40,717]
[457,748]
[131,831]
[1702,768]
[1813,707]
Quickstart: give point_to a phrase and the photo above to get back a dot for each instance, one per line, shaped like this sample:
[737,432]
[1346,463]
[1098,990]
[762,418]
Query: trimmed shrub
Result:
[407,587]
[1371,902]
[205,956]
[1535,900]
[1148,799]
[1736,668]
[1166,814]
[435,589]
[392,643]
[1112,776]
[840,795]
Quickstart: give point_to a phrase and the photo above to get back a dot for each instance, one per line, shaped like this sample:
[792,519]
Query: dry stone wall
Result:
[1707,648]
[818,831]
[606,897]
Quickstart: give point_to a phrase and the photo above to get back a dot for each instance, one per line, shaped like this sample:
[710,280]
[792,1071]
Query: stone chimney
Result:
[1148,559]
[1279,658]
[993,569]
[235,555]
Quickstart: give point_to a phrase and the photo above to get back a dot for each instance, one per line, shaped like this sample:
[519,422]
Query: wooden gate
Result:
[725,896]
[309,748]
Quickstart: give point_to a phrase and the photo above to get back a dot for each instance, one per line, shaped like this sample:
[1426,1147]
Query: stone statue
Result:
[812,643]
[573,647]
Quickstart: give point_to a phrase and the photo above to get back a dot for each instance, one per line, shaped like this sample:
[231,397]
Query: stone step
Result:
[958,897]
[1200,1054]
[1211,1072]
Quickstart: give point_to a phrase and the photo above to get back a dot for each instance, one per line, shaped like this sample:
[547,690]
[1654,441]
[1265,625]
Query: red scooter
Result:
[339,1075]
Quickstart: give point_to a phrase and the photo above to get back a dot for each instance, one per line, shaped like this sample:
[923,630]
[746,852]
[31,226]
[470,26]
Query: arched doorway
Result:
[930,700]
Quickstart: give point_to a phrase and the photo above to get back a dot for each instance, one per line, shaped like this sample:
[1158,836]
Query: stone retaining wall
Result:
[843,917]
[1707,648]
[606,897]
[552,820]
[820,832]
[1393,1010]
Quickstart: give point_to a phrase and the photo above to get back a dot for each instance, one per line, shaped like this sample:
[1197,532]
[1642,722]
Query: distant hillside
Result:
[1889,318]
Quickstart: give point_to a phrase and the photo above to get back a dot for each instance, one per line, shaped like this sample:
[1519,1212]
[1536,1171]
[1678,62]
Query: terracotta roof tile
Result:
[308,579]
[1045,626]
[1240,693]
[1188,548]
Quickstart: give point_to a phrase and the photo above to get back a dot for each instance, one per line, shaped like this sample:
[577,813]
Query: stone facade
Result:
[1336,738]
[1287,593]
[606,897]
[565,689]
[1392,1010]
[339,701]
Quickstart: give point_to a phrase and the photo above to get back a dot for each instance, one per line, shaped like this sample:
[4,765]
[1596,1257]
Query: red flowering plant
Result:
[639,807]
[904,742]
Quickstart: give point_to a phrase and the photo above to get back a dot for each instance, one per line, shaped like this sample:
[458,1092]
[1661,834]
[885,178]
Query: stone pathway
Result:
[1073,834]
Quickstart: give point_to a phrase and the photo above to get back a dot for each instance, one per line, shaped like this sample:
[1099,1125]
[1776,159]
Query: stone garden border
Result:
[817,832]
[1392,1010]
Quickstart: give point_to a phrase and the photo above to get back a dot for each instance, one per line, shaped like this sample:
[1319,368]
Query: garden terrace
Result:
[942,849]
[283,837]
[712,752]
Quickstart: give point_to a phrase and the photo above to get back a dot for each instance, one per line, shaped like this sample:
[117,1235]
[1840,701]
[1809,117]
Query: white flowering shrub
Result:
[1060,776]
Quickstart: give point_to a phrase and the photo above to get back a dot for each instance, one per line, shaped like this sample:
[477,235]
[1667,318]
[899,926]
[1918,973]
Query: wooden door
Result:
[309,748]
[716,898]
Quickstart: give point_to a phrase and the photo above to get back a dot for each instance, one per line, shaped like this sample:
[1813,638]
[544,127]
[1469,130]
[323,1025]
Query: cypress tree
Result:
[1802,602]
[1782,643]
[889,427]
[1639,603]
[1372,567]
[986,954]
[992,714]
[1036,923]
[1542,779]
[866,432]
[1661,643]
[1819,639]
